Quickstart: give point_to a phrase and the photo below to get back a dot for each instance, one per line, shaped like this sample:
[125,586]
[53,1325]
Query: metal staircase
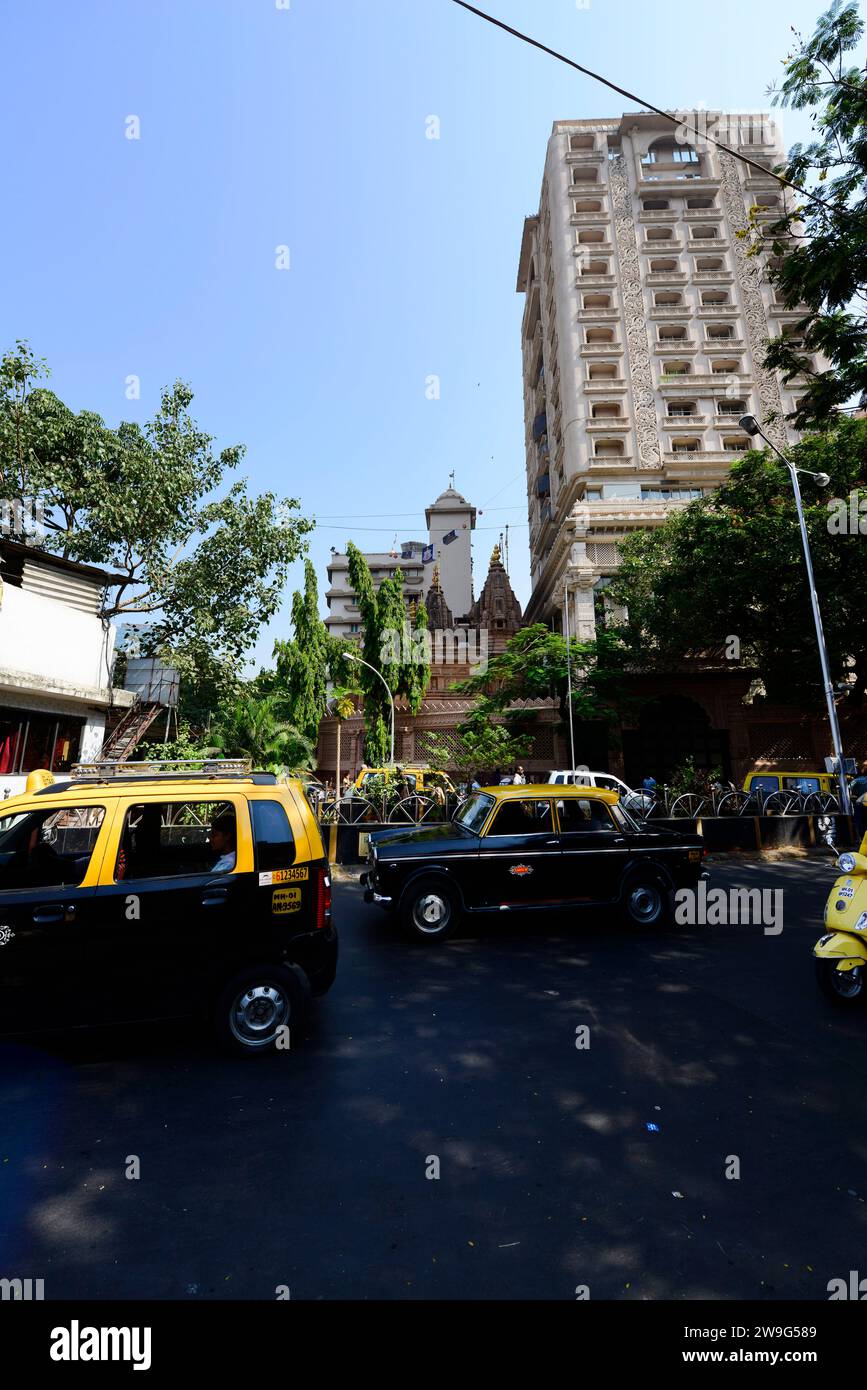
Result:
[128,733]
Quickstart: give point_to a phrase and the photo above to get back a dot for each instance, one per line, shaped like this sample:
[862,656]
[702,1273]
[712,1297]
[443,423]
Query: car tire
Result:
[257,1005]
[430,909]
[645,904]
[830,979]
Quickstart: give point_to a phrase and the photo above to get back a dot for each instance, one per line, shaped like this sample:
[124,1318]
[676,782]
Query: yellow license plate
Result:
[295,875]
[286,900]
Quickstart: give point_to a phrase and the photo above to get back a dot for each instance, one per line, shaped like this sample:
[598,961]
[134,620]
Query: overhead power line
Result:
[657,110]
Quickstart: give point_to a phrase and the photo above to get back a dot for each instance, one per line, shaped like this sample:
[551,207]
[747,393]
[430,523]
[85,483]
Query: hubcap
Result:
[847,983]
[257,1013]
[431,913]
[644,903]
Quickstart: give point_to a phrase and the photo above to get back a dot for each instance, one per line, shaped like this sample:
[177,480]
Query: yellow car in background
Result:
[419,778]
[769,781]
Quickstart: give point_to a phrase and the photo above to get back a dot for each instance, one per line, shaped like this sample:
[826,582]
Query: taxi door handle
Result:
[552,842]
[54,912]
[212,897]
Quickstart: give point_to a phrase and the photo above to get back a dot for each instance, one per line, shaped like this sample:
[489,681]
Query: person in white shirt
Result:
[223,844]
[519,780]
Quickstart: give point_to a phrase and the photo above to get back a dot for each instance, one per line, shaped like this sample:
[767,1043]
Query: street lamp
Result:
[751,426]
[352,656]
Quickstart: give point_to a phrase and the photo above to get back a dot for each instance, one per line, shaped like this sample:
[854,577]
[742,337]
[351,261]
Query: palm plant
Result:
[253,727]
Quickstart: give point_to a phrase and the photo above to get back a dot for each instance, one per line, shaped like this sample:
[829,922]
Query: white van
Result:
[636,801]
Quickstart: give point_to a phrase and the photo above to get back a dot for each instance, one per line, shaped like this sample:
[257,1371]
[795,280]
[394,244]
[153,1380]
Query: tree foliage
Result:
[730,566]
[200,562]
[535,665]
[383,617]
[251,726]
[821,252]
[481,751]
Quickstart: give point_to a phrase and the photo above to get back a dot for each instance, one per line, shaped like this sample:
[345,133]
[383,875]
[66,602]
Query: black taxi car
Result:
[515,848]
[129,893]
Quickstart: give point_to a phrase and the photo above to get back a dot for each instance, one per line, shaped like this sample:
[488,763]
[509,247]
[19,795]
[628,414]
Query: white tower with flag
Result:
[450,522]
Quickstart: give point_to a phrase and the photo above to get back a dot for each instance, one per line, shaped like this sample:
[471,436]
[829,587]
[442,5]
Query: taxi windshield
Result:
[473,813]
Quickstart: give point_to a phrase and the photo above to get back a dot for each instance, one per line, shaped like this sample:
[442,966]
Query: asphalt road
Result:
[308,1169]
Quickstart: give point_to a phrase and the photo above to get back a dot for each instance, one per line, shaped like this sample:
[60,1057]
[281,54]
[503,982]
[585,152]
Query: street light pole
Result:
[750,424]
[351,656]
[569,672]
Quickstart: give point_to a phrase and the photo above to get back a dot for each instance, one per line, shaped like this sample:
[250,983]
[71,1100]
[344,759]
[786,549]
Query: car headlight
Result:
[846,862]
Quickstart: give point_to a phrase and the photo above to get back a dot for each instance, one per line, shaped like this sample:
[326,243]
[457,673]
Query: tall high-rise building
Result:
[643,336]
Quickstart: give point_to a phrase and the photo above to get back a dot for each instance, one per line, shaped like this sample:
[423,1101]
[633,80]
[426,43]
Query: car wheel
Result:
[430,910]
[261,1006]
[645,903]
[842,987]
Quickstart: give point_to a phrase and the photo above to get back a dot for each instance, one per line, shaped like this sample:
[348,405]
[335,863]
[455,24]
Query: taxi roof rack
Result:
[167,769]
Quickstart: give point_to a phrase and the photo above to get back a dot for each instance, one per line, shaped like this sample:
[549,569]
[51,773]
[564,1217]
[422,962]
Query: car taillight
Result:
[323,899]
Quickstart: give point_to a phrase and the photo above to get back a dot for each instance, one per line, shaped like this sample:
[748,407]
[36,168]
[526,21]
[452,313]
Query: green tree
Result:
[253,727]
[384,627]
[480,752]
[725,576]
[535,665]
[200,562]
[821,251]
[302,663]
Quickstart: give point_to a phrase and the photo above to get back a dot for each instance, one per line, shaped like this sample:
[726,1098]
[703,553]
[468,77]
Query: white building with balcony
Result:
[450,520]
[56,656]
[643,337]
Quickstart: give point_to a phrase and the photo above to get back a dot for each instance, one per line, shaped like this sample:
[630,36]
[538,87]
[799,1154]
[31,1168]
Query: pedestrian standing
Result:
[519,780]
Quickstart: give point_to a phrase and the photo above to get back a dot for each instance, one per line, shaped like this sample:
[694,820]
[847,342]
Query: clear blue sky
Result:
[263,126]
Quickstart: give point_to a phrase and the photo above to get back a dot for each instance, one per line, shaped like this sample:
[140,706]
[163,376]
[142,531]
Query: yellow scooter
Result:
[841,955]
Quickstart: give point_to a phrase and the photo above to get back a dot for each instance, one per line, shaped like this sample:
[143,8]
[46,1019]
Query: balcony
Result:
[713,277]
[591,249]
[684,422]
[661,246]
[674,347]
[723,345]
[605,384]
[589,219]
[590,315]
[601,349]
[665,277]
[670,311]
[716,311]
[609,424]
[591,282]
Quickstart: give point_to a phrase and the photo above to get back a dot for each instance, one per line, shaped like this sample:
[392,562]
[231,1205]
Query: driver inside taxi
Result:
[223,844]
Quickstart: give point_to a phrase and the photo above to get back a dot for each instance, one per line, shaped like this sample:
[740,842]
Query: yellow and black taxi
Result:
[519,848]
[129,892]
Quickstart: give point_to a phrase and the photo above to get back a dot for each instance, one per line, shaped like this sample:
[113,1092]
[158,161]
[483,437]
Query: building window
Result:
[660,233]
[736,446]
[584,175]
[666,152]
[672,332]
[608,448]
[720,331]
[677,408]
[714,297]
[606,410]
[686,446]
[600,335]
[595,268]
[725,367]
[591,236]
[654,204]
[677,369]
[603,371]
[737,408]
[597,301]
[664,298]
[587,206]
[581,142]
[663,267]
[706,263]
[704,233]
[700,203]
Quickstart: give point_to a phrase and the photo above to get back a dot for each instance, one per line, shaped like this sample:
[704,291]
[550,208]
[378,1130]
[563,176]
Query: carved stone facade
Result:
[637,349]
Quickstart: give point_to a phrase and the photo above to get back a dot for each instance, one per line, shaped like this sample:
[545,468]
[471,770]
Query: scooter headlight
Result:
[846,862]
